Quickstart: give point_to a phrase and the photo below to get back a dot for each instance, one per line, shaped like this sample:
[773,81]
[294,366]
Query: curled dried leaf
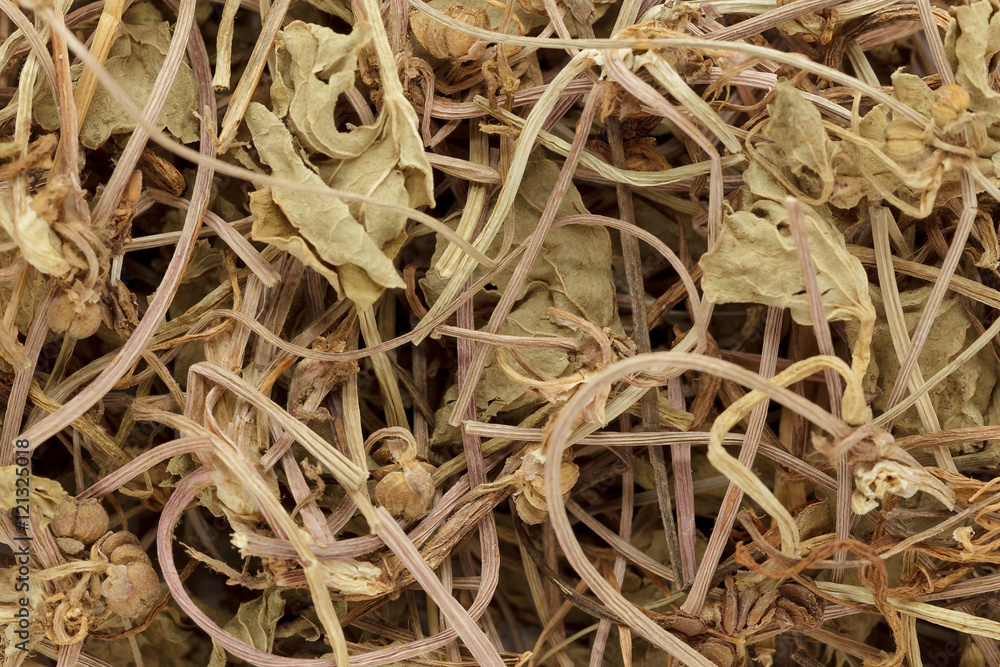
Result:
[137,54]
[755,261]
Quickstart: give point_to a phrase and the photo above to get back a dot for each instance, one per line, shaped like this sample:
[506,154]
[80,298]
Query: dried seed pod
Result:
[130,583]
[79,318]
[129,589]
[530,499]
[69,546]
[116,540]
[950,102]
[127,554]
[904,140]
[406,489]
[447,43]
[81,520]
[718,652]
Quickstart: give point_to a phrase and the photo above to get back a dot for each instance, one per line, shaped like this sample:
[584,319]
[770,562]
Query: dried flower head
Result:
[447,43]
[881,468]
[129,589]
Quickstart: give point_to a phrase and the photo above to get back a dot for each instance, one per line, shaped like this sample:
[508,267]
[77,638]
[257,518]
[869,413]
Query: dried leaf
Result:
[315,67]
[255,624]
[319,230]
[351,245]
[800,144]
[44,494]
[963,399]
[135,59]
[755,262]
[573,274]
[973,46]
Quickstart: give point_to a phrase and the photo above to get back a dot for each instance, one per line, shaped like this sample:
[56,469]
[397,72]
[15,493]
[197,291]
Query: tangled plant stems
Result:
[574,332]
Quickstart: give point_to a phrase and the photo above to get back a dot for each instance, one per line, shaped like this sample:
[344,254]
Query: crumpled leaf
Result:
[801,145]
[254,624]
[573,274]
[319,230]
[973,47]
[134,61]
[966,398]
[45,494]
[912,91]
[315,66]
[350,244]
[755,262]
[165,643]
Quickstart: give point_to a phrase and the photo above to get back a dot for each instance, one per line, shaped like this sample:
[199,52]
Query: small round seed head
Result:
[950,101]
[407,489]
[81,520]
[446,43]
[905,140]
[129,589]
[115,540]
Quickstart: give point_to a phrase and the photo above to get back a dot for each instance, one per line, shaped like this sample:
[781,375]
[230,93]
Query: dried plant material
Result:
[130,583]
[755,262]
[529,496]
[136,56]
[904,141]
[405,486]
[350,245]
[255,623]
[950,102]
[573,277]
[34,238]
[881,468]
[46,494]
[82,520]
[964,399]
[751,612]
[159,173]
[800,146]
[973,45]
[466,273]
[316,66]
[447,43]
[318,230]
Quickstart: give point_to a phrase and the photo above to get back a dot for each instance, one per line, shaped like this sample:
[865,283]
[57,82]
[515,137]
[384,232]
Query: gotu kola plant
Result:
[436,256]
